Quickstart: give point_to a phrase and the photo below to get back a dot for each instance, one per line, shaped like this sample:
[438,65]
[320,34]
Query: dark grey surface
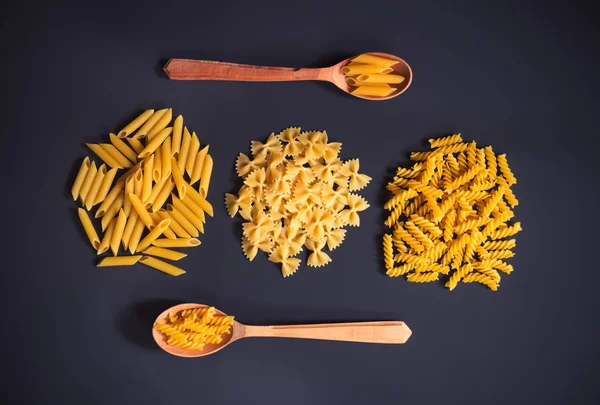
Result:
[520,76]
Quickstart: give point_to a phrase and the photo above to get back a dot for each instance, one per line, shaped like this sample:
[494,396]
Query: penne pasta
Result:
[88,227]
[135,124]
[153,235]
[178,178]
[192,152]
[123,148]
[131,222]
[110,198]
[177,132]
[358,69]
[179,242]
[157,166]
[154,144]
[144,215]
[119,261]
[375,91]
[129,188]
[164,253]
[104,155]
[375,60]
[206,175]
[162,266]
[163,195]
[136,145]
[175,226]
[376,78]
[155,192]
[354,82]
[116,155]
[147,180]
[143,131]
[136,235]
[187,213]
[183,151]
[91,196]
[182,220]
[165,151]
[112,211]
[105,186]
[83,169]
[198,165]
[199,200]
[105,244]
[161,124]
[115,239]
[87,182]
[199,212]
[138,182]
[168,232]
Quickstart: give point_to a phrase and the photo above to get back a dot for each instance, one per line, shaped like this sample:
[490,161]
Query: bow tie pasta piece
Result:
[450,214]
[296,193]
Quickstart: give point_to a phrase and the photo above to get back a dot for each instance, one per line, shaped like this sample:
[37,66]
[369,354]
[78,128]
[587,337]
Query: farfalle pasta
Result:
[450,215]
[297,193]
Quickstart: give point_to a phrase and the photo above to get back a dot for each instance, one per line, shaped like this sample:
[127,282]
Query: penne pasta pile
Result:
[152,205]
[372,76]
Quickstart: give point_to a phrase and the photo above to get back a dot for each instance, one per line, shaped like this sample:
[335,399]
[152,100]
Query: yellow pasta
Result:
[113,195]
[164,253]
[182,220]
[105,186]
[157,166]
[199,200]
[95,186]
[206,175]
[198,165]
[136,235]
[138,206]
[147,179]
[165,151]
[183,150]
[162,197]
[135,124]
[105,244]
[117,235]
[179,242]
[175,227]
[192,153]
[81,175]
[162,266]
[178,178]
[177,133]
[136,145]
[116,155]
[199,212]
[160,125]
[359,69]
[375,60]
[153,235]
[154,144]
[378,78]
[119,261]
[88,227]
[129,188]
[122,147]
[188,214]
[168,232]
[104,155]
[87,182]
[145,129]
[132,220]
[374,91]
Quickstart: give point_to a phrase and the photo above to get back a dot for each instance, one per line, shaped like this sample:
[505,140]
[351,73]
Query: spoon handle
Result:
[187,69]
[368,332]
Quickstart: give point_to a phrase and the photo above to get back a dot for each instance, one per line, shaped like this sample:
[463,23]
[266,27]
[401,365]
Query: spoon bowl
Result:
[187,69]
[394,332]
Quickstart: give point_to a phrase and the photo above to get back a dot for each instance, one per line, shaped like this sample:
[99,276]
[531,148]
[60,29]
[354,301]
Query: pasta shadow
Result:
[135,322]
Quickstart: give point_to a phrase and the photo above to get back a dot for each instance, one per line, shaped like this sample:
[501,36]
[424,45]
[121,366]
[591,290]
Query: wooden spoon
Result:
[369,332]
[187,69]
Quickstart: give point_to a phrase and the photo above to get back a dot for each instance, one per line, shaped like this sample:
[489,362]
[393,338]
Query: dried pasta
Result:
[450,214]
[297,193]
[137,206]
[372,76]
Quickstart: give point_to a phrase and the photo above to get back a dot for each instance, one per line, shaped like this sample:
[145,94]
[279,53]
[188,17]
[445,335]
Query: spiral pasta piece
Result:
[445,141]
[422,277]
[388,251]
[505,170]
[482,279]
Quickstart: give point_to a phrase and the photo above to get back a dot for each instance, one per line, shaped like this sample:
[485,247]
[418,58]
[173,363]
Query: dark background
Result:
[519,75]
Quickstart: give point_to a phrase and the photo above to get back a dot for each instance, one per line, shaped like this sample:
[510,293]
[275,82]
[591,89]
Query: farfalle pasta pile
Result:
[296,193]
[451,215]
[193,328]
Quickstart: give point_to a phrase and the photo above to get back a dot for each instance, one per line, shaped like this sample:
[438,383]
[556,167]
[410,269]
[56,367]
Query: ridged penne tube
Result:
[199,212]
[374,91]
[358,69]
[105,244]
[93,192]
[116,155]
[154,144]
[165,191]
[375,60]
[147,180]
[182,220]
[177,133]
[110,199]
[115,239]
[129,227]
[187,213]
[153,235]
[138,182]
[164,253]
[105,186]
[136,235]
[175,227]
[143,131]
[157,167]
[136,145]
[88,227]
[378,78]
[119,261]
[162,266]
[178,177]
[199,200]
[135,124]
[123,148]
[184,149]
[81,174]
[168,232]
[161,124]
[87,182]
[165,151]
[129,188]
[139,207]
[104,155]
[155,192]
[192,152]
[206,175]
[198,165]
[179,242]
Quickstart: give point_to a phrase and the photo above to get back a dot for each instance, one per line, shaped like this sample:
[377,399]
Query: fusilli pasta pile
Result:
[193,328]
[450,215]
[296,193]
